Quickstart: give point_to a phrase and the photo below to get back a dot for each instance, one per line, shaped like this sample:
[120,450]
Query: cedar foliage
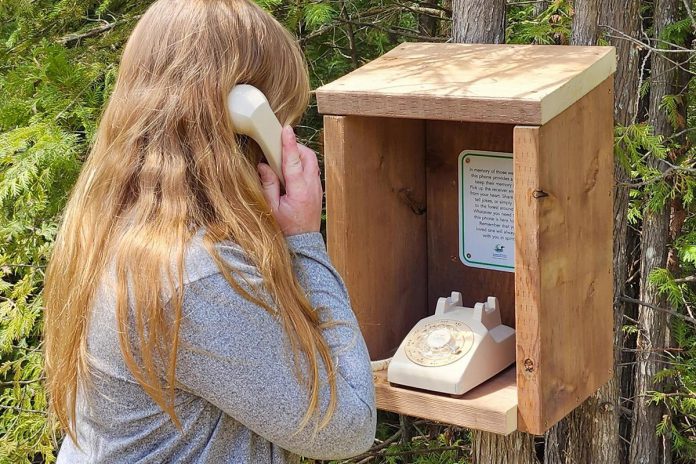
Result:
[58,62]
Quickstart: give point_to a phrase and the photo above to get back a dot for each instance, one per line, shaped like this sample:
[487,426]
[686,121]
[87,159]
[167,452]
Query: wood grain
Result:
[376,223]
[518,84]
[445,140]
[492,406]
[563,258]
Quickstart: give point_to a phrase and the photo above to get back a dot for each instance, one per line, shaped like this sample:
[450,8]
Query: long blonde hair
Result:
[166,162]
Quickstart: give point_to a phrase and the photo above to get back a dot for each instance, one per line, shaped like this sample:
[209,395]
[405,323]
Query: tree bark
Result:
[591,432]
[646,446]
[540,7]
[622,16]
[585,26]
[516,448]
[478,21]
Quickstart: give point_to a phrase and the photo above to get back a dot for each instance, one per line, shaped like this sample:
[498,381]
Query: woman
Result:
[192,314]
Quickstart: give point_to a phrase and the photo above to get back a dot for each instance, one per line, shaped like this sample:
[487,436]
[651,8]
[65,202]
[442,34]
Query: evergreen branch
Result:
[426,451]
[432,11]
[645,304]
[317,32]
[525,2]
[20,382]
[668,172]
[33,266]
[622,35]
[406,33]
[662,51]
[663,175]
[18,409]
[371,454]
[71,39]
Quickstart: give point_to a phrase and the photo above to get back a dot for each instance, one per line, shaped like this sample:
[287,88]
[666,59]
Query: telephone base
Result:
[454,350]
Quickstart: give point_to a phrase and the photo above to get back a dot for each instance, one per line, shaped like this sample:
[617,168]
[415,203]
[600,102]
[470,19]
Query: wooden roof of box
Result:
[515,84]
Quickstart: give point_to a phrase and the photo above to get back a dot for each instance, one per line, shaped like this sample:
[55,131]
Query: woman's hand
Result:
[299,210]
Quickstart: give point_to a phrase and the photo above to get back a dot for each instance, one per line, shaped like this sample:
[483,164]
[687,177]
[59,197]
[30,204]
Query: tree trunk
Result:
[483,21]
[585,26]
[591,432]
[540,7]
[478,21]
[646,446]
[516,448]
[622,16]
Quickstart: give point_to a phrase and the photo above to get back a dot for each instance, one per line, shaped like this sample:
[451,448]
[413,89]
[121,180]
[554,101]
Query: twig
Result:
[19,382]
[350,35]
[657,308]
[424,451]
[663,175]
[636,105]
[437,13]
[663,52]
[73,38]
[524,2]
[687,306]
[691,278]
[690,13]
[18,409]
[376,449]
[410,35]
[640,43]
[34,266]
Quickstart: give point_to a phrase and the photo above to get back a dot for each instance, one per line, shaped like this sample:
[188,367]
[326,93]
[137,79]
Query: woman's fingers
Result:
[310,165]
[270,184]
[292,163]
[299,210]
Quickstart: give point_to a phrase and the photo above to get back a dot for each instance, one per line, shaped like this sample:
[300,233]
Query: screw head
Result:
[528,365]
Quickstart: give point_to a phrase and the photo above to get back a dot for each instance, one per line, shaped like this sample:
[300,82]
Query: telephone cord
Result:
[380,365]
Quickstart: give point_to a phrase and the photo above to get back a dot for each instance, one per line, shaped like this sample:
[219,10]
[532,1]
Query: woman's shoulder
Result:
[199,263]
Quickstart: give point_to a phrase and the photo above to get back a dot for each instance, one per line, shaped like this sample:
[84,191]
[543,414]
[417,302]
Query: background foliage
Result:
[58,62]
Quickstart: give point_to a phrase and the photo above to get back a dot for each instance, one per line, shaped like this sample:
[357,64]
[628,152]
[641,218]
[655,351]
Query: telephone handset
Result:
[454,350]
[252,115]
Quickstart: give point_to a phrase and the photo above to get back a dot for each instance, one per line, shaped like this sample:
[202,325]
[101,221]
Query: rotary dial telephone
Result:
[454,350]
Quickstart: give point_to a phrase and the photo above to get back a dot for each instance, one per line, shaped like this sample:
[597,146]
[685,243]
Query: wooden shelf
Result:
[491,407]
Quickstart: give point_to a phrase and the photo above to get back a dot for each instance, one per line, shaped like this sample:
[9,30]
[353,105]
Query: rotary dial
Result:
[439,343]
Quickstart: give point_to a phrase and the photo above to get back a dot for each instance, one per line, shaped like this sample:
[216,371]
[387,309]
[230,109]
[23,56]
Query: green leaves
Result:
[638,150]
[318,14]
[551,27]
[50,100]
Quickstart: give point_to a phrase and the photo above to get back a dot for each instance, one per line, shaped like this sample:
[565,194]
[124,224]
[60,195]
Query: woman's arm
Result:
[326,289]
[236,355]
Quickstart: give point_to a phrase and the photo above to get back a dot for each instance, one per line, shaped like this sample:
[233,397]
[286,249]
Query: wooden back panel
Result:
[376,223]
[563,258]
[445,140]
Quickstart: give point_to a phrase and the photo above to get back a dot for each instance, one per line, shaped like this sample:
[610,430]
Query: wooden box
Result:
[393,132]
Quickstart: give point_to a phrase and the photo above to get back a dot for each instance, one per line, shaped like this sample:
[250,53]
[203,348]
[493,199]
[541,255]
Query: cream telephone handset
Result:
[252,115]
[454,350]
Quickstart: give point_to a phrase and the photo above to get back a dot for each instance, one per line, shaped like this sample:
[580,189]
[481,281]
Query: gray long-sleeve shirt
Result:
[238,398]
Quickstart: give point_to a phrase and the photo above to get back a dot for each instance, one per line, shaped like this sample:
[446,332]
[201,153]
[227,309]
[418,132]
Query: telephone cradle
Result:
[456,349]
